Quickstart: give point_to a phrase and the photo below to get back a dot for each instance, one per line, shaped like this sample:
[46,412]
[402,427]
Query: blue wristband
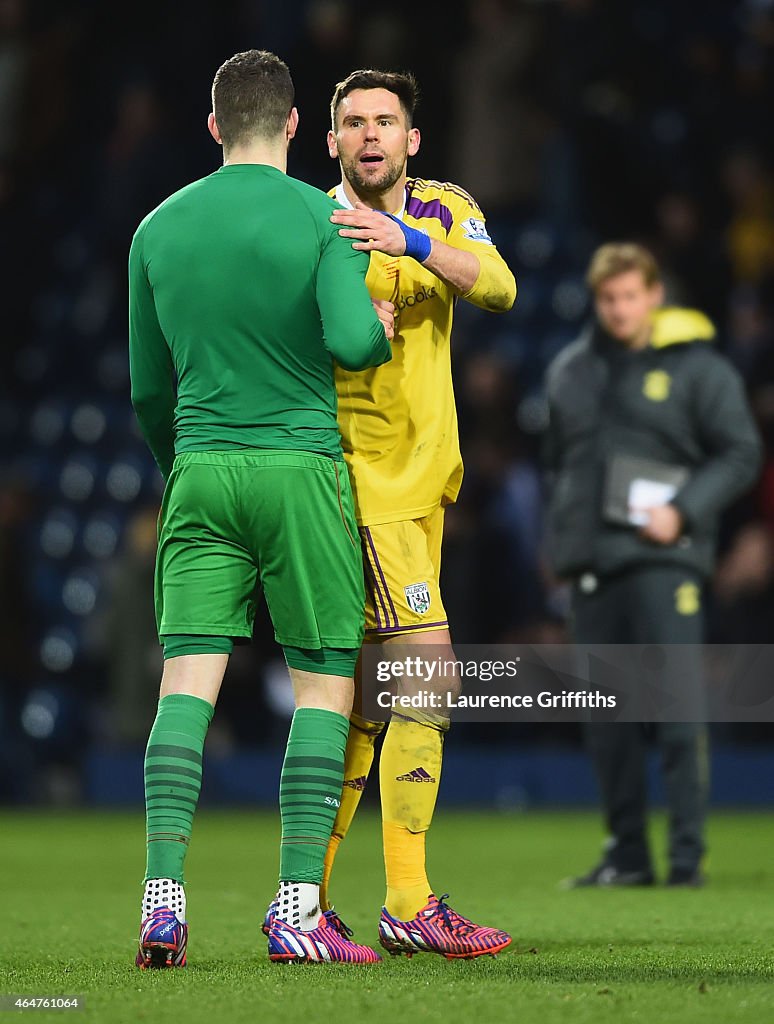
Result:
[418,243]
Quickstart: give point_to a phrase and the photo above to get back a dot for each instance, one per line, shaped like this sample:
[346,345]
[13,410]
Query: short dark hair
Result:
[252,95]
[402,83]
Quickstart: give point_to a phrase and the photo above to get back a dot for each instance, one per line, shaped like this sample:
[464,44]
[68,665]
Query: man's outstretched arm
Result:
[468,262]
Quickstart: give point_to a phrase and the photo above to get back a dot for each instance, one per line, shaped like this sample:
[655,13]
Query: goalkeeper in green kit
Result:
[241,297]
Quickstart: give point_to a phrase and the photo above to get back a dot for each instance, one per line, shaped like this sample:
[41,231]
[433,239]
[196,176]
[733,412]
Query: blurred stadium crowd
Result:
[571,122]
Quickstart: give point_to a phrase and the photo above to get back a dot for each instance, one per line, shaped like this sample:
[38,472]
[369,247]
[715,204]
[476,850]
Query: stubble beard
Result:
[391,171]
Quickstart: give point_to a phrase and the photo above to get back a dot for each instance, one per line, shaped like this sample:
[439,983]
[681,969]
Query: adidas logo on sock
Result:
[416,775]
[358,783]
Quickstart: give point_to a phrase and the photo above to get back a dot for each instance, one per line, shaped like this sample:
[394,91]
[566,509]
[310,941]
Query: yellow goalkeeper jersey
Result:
[398,421]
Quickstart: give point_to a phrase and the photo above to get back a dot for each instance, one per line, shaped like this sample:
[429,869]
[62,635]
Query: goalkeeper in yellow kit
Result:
[429,246]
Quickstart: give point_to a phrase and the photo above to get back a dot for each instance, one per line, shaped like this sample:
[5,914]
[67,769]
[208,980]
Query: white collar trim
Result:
[341,198]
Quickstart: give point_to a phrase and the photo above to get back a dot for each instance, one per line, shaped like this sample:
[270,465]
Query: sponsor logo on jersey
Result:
[656,385]
[687,599]
[415,775]
[331,801]
[475,230]
[418,597]
[359,783]
[415,299]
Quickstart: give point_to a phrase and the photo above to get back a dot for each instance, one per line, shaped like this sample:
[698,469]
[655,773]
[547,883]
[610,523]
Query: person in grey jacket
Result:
[650,437]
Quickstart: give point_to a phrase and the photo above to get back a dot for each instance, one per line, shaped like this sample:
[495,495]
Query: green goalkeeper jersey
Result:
[241,296]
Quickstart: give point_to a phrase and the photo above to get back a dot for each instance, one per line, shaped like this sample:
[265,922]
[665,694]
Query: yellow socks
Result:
[409,776]
[358,759]
[404,861]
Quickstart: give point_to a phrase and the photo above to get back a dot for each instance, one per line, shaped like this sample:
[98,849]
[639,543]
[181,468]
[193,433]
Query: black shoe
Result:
[605,875]
[686,878]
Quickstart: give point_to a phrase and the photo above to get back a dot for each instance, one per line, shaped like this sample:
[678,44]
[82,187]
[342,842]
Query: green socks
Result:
[310,791]
[310,786]
[173,778]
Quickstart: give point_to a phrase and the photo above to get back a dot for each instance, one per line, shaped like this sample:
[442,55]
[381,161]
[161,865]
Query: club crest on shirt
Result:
[687,599]
[656,385]
[475,230]
[418,597]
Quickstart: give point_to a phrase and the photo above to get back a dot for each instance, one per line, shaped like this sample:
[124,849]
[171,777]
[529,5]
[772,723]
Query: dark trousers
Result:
[647,605]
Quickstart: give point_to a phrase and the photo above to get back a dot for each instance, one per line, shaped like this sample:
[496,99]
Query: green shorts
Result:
[235,522]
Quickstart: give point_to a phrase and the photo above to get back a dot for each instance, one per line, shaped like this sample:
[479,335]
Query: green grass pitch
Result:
[69,912]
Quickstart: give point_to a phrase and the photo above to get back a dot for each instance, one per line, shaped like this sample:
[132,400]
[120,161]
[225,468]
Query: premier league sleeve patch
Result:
[418,597]
[475,230]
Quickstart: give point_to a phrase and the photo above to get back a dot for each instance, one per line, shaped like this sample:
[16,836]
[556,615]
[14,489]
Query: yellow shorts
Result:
[403,567]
